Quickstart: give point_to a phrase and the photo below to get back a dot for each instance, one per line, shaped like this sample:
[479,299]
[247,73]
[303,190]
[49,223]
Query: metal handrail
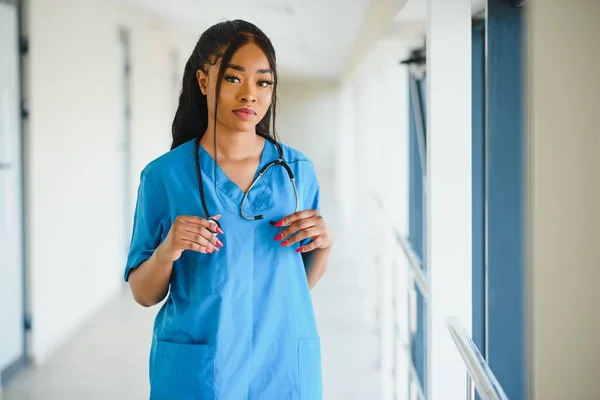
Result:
[480,375]
[416,269]
[420,279]
[415,264]
[413,259]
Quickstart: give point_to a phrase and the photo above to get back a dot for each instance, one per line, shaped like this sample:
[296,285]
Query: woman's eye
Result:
[235,79]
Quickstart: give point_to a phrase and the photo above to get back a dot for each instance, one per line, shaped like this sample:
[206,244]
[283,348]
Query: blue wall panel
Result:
[505,78]
[416,237]
[478,179]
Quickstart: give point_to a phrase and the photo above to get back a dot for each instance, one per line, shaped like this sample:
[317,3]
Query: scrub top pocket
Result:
[309,363]
[182,372]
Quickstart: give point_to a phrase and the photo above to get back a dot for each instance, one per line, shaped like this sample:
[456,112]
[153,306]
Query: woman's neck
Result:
[232,146]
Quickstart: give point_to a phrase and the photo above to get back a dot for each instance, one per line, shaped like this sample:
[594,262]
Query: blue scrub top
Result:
[239,323]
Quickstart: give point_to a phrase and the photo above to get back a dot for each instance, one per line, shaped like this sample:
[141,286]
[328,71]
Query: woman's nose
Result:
[247,94]
[248,98]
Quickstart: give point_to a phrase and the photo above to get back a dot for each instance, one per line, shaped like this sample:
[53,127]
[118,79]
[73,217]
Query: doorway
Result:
[12,266]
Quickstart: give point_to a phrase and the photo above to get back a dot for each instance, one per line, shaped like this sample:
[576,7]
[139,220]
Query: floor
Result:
[107,358]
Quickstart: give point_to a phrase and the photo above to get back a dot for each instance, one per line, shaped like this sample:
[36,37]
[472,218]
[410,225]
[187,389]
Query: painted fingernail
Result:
[280,223]
[285,243]
[220,231]
[219,243]
[216,249]
[279,237]
[300,250]
[208,251]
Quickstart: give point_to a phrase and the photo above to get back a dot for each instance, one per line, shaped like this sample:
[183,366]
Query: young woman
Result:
[227,228]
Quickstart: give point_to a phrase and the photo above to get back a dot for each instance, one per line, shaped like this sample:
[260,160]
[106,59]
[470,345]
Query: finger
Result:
[190,219]
[296,227]
[290,219]
[214,226]
[303,234]
[204,232]
[189,245]
[315,244]
[199,240]
[196,238]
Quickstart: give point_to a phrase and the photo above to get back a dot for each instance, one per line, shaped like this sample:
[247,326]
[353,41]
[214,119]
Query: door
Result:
[12,343]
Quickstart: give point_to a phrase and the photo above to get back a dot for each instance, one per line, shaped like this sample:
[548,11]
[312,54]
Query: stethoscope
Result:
[279,161]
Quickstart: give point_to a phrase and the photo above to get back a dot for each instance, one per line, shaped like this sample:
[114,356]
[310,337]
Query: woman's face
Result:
[246,90]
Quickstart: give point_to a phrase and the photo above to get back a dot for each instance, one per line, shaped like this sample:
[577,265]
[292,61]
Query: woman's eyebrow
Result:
[242,69]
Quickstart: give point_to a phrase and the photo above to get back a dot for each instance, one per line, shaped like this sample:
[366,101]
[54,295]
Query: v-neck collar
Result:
[228,192]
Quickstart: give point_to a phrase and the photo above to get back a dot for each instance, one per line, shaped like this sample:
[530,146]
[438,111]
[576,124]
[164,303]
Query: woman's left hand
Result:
[308,224]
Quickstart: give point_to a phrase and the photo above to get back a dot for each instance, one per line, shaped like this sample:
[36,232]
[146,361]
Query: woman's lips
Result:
[245,113]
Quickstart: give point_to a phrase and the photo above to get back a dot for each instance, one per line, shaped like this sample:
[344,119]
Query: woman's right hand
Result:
[190,233]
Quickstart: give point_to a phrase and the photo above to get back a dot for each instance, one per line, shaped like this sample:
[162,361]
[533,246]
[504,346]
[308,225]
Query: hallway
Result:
[108,357]
[436,129]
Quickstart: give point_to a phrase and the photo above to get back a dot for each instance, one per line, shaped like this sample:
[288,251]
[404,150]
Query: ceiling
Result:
[312,38]
[413,16]
[416,10]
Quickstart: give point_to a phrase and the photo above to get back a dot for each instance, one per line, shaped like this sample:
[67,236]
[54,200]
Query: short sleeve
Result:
[313,200]
[148,225]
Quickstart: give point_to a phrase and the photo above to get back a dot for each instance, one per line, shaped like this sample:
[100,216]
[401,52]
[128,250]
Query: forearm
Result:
[315,264]
[149,282]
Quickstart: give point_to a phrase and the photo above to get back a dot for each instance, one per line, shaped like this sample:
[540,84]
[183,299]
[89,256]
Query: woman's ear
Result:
[202,78]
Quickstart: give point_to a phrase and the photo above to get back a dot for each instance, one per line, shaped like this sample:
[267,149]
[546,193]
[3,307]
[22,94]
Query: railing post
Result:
[470,388]
[479,374]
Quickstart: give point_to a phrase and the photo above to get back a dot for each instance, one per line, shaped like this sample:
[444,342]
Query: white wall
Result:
[394,117]
[372,165]
[564,198]
[75,258]
[307,119]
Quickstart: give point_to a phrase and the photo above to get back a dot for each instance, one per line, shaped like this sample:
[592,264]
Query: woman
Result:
[238,321]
